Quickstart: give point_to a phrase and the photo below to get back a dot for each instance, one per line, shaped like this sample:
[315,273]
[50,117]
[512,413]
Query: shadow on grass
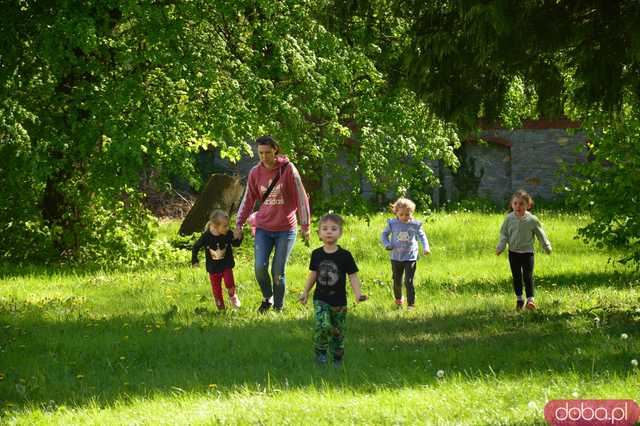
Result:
[619,280]
[31,270]
[104,360]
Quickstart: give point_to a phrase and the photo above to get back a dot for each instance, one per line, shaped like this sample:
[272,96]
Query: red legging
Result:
[216,277]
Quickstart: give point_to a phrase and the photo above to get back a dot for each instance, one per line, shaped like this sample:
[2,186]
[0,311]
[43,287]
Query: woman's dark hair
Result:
[268,140]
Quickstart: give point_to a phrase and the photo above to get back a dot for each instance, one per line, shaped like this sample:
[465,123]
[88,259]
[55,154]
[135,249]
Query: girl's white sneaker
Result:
[235,301]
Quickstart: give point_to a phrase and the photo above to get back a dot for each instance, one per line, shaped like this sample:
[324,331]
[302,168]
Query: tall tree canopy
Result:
[508,59]
[97,95]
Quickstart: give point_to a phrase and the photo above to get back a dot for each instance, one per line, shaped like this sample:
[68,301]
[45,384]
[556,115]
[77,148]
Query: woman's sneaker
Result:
[235,301]
[264,307]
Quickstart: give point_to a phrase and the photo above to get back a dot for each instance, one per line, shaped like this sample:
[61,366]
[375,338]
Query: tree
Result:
[95,96]
[504,60]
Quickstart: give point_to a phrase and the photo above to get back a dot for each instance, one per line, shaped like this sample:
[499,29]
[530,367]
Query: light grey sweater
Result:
[519,232]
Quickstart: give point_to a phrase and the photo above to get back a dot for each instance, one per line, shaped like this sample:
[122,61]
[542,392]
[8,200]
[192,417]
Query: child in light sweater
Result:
[518,230]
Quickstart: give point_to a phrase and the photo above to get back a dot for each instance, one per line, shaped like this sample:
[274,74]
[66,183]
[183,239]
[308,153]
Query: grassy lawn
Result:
[146,346]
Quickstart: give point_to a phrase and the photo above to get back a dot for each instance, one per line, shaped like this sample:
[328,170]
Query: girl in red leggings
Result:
[217,240]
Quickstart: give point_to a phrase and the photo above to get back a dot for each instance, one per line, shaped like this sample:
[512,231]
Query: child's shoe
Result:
[337,363]
[519,305]
[235,301]
[398,303]
[220,305]
[530,306]
[410,307]
[321,359]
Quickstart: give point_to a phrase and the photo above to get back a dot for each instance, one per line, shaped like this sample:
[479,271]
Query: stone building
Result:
[536,157]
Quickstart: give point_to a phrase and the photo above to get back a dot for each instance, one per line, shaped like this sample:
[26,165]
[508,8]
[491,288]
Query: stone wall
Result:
[535,158]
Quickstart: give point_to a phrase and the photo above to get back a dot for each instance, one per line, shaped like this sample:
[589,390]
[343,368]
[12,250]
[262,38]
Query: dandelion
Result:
[634,362]
[532,405]
[624,336]
[574,394]
[440,374]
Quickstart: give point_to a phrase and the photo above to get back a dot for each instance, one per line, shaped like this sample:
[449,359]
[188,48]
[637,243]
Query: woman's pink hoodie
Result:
[278,212]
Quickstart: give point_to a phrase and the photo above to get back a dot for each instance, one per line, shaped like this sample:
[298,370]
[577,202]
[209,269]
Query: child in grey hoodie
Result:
[401,236]
[518,230]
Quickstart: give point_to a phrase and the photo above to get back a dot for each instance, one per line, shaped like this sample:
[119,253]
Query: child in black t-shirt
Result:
[217,241]
[329,266]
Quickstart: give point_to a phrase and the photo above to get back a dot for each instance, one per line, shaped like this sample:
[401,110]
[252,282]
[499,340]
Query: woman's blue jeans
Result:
[264,243]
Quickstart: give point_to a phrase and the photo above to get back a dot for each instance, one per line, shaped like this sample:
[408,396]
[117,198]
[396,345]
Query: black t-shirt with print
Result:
[217,250]
[332,269]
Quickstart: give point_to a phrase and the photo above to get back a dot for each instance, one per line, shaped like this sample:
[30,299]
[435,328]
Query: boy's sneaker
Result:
[235,301]
[410,307]
[520,304]
[398,303]
[530,306]
[264,307]
[321,359]
[337,363]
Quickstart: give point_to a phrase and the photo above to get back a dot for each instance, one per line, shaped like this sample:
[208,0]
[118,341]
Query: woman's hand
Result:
[237,233]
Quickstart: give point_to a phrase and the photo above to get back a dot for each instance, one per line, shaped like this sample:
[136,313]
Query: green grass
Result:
[83,346]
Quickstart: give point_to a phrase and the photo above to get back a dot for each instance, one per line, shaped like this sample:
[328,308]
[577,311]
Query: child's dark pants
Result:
[522,269]
[408,268]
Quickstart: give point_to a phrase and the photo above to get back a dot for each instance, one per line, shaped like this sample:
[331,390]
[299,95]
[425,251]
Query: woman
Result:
[275,220]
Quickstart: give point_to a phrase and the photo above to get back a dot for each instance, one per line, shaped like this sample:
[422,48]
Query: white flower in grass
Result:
[532,405]
[596,320]
[634,362]
[440,374]
[21,389]
[624,336]
[575,394]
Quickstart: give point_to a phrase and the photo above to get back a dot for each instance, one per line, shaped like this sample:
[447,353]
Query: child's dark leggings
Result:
[522,269]
[408,268]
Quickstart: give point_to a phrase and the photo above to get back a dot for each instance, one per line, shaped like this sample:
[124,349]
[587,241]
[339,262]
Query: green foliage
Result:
[471,59]
[97,95]
[608,183]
